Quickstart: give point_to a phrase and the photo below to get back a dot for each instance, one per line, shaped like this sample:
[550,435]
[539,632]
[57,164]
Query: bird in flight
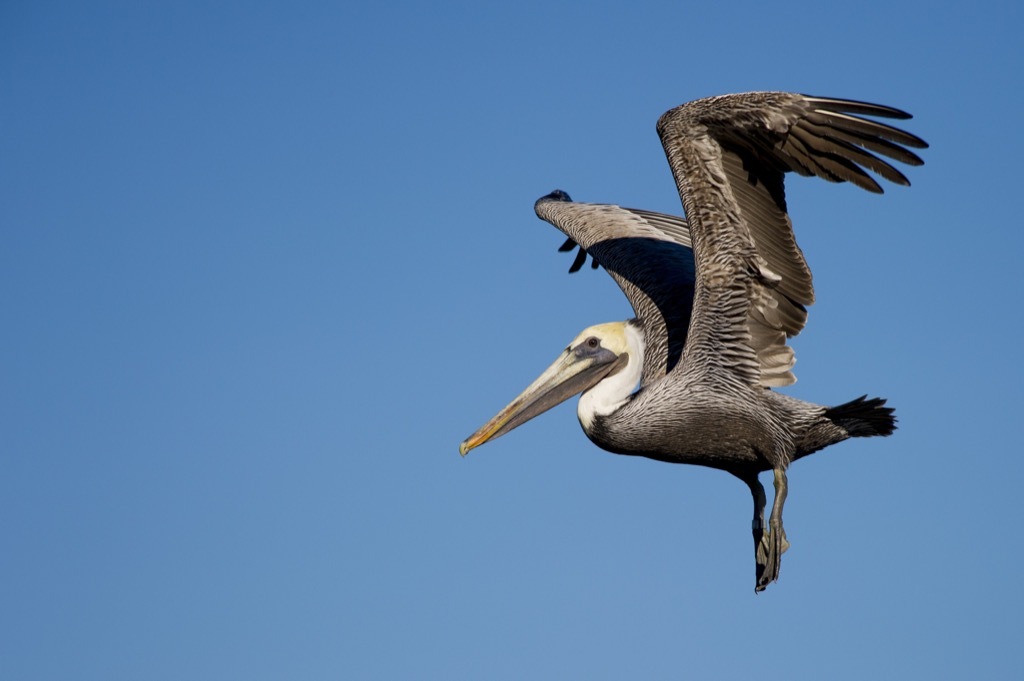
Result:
[691,378]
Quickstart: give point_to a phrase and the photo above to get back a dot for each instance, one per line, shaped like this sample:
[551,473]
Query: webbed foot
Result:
[773,544]
[769,555]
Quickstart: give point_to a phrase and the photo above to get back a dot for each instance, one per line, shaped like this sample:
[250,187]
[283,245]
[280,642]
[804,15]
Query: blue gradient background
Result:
[264,265]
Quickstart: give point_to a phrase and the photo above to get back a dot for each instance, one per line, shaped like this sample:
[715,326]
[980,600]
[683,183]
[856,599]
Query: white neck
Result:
[613,391]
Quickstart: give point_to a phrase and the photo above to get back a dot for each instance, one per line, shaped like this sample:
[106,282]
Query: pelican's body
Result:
[695,422]
[716,296]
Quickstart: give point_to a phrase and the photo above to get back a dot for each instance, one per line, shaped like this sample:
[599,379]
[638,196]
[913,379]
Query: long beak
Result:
[568,376]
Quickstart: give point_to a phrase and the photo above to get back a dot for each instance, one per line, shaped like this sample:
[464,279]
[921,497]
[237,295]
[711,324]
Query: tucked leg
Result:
[773,543]
[757,525]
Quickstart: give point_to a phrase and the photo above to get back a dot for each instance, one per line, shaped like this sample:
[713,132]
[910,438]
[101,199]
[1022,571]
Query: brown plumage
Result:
[709,340]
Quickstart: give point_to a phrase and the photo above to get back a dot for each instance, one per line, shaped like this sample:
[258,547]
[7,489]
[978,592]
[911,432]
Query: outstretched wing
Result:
[728,155]
[648,255]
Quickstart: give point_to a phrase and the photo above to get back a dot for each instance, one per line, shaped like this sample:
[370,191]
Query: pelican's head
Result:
[597,353]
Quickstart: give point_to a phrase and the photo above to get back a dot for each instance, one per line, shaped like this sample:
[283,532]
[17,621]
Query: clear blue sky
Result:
[264,265]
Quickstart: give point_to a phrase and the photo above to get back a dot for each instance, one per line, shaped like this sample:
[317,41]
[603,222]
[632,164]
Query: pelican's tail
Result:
[863,417]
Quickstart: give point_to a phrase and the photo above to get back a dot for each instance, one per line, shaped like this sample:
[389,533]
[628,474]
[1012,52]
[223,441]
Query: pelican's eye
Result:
[589,347]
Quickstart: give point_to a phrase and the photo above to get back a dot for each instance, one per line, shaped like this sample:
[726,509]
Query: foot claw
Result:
[769,556]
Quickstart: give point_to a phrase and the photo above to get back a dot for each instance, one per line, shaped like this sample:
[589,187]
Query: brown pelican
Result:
[708,343]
